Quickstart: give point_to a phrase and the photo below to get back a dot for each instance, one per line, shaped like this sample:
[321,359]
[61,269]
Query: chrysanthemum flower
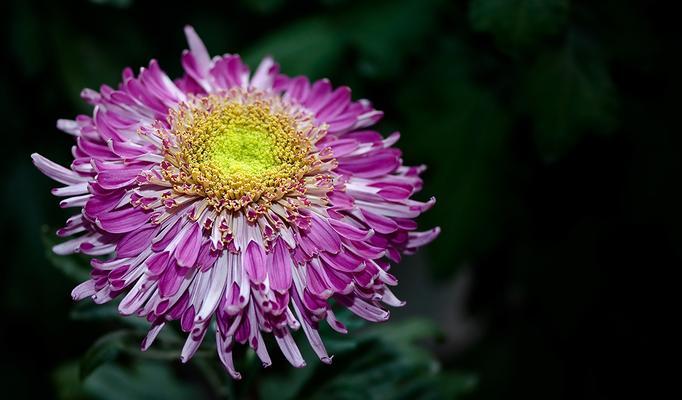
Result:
[250,200]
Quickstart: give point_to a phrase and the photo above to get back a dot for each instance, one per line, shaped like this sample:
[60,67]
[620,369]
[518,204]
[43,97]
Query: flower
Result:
[250,200]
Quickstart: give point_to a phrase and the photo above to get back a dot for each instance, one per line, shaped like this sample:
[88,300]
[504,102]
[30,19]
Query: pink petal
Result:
[254,262]
[279,267]
[188,248]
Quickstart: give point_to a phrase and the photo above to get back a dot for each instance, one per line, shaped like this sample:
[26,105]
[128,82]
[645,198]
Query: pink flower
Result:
[246,199]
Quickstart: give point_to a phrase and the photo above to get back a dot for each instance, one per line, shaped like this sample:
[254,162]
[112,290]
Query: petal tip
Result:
[189,31]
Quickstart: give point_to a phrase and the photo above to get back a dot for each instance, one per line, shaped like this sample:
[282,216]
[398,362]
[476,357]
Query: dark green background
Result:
[551,130]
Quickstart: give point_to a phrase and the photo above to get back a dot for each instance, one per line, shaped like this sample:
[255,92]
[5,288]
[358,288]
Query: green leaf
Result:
[263,6]
[518,23]
[386,33]
[406,332]
[384,363]
[104,350]
[67,383]
[114,3]
[454,385]
[310,47]
[89,311]
[107,312]
[141,380]
[569,92]
[73,266]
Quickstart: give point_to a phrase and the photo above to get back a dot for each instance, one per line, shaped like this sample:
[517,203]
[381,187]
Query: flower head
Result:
[246,199]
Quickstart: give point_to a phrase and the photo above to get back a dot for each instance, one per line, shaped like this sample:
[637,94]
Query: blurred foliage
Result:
[132,381]
[569,92]
[551,133]
[519,23]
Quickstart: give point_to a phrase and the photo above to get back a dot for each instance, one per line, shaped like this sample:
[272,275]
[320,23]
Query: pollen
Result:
[236,149]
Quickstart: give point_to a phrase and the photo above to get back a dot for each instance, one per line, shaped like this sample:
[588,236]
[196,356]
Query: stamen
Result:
[238,148]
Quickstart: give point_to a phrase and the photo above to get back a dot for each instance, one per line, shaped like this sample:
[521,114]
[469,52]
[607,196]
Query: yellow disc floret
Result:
[235,150]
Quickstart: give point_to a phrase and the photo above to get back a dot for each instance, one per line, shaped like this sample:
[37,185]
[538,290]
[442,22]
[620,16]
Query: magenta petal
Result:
[289,349]
[371,166]
[157,263]
[363,309]
[379,223]
[134,242]
[198,50]
[123,221]
[160,243]
[279,267]
[229,71]
[206,257]
[418,239]
[349,231]
[342,147]
[99,204]
[56,171]
[323,235]
[254,262]
[171,279]
[395,193]
[188,249]
[265,74]
[298,89]
[318,94]
[187,319]
[85,289]
[336,102]
[316,282]
[344,261]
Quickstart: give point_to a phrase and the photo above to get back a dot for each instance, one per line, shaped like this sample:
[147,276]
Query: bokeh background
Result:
[551,129]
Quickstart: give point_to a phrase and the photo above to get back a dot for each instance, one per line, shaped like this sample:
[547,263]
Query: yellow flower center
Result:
[235,150]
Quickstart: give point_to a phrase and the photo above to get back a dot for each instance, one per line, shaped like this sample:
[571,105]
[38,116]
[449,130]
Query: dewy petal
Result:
[178,244]
[85,289]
